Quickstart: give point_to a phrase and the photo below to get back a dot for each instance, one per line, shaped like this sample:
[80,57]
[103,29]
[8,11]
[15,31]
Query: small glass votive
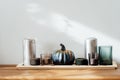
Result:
[93,58]
[45,59]
[81,61]
[35,61]
[105,55]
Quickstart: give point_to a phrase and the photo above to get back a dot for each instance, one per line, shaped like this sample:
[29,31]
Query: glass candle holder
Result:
[81,61]
[45,59]
[93,58]
[105,55]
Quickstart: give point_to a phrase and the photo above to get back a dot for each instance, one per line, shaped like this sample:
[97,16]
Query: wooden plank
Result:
[8,65]
[68,67]
[86,74]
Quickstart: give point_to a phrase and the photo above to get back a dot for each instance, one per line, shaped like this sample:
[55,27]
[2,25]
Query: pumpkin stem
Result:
[62,47]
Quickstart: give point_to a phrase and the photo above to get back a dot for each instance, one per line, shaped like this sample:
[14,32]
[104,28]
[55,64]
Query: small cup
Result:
[45,59]
[35,61]
[105,55]
[93,58]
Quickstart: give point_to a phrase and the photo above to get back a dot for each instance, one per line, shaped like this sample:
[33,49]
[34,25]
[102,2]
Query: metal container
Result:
[29,51]
[90,46]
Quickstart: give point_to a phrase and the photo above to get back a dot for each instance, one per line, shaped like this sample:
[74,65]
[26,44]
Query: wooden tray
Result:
[69,67]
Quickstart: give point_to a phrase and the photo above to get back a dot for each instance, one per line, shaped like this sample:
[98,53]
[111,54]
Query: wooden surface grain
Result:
[13,73]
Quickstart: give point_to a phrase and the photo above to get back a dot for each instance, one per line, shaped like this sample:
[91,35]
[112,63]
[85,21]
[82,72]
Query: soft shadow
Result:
[72,30]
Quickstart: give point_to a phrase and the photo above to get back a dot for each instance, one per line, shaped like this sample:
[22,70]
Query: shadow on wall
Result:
[71,29]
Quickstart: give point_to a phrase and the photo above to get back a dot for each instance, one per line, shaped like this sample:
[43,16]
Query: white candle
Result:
[90,46]
[29,51]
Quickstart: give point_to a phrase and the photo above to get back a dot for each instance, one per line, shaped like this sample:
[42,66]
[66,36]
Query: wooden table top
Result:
[13,73]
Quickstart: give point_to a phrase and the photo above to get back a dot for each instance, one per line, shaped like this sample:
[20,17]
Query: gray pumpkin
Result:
[63,56]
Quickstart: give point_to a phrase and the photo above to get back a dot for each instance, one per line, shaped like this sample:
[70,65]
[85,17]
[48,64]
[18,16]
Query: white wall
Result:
[53,22]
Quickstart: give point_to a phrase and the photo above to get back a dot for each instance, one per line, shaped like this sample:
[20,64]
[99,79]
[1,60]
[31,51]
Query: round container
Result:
[81,61]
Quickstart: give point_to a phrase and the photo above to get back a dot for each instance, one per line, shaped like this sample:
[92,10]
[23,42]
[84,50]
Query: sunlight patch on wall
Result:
[80,33]
[77,31]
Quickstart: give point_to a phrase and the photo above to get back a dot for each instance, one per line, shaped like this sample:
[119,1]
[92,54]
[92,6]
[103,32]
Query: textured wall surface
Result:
[52,22]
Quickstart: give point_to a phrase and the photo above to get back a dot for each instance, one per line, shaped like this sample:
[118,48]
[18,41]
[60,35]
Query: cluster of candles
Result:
[102,57]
